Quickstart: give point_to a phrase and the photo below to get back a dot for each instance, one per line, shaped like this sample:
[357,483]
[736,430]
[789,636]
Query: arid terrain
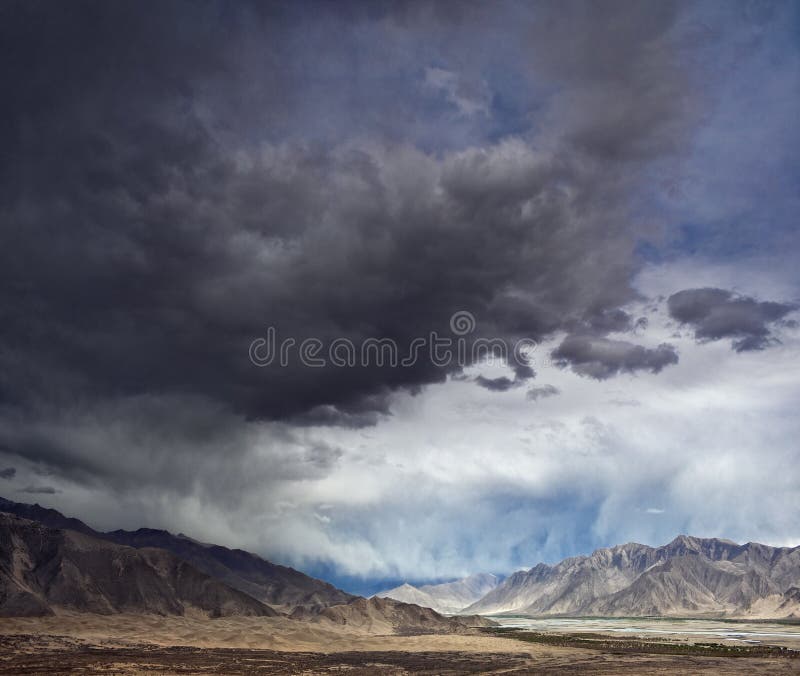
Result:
[193,644]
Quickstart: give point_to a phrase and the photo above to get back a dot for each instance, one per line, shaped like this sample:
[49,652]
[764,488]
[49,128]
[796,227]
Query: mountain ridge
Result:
[49,571]
[687,576]
[278,586]
[44,569]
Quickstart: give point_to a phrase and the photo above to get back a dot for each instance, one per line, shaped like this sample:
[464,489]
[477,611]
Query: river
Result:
[718,631]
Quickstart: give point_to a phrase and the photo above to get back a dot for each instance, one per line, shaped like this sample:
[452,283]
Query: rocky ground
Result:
[475,653]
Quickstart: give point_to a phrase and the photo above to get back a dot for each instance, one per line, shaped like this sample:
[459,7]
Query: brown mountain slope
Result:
[279,586]
[387,616]
[44,569]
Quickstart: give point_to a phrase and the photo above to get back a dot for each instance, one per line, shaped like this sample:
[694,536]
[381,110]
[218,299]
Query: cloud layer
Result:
[150,246]
[602,358]
[717,313]
[175,181]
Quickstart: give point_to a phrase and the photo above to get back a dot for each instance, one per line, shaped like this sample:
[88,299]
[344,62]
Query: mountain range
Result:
[279,586]
[447,597]
[42,568]
[688,577]
[50,562]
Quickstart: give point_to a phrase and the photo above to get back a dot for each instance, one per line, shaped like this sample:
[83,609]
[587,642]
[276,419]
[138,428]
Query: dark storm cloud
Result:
[717,313]
[166,197]
[323,456]
[8,472]
[522,372]
[610,321]
[39,490]
[542,392]
[168,446]
[341,416]
[601,358]
[501,384]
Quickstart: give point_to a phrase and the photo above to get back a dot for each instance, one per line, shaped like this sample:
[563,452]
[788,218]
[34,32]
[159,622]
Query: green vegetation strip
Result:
[635,645]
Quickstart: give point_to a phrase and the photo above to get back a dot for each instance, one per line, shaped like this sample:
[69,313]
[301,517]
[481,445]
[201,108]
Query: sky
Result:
[232,234]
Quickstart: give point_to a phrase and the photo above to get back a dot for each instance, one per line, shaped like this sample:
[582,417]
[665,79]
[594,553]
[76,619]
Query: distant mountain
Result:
[688,576]
[448,597]
[43,569]
[278,586]
[387,616]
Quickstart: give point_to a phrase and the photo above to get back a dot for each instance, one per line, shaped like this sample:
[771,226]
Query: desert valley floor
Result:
[141,644]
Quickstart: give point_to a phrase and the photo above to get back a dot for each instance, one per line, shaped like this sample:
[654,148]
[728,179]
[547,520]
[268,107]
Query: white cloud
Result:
[469,97]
